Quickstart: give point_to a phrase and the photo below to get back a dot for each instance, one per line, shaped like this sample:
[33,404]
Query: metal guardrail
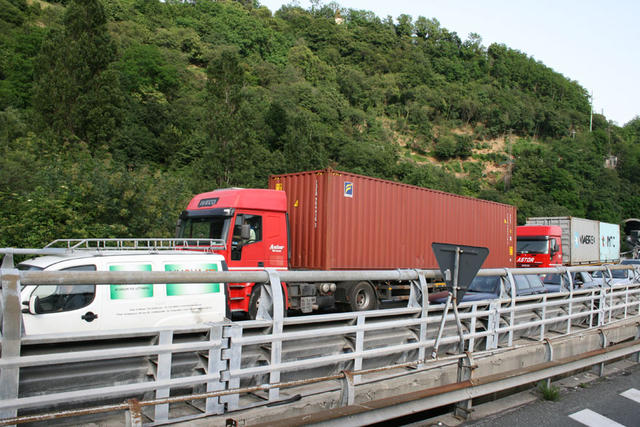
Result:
[229,363]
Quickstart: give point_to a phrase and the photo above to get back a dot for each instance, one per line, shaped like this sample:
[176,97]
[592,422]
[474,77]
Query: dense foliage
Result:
[113,113]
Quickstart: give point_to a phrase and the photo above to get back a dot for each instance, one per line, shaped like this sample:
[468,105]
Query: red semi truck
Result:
[330,220]
[557,241]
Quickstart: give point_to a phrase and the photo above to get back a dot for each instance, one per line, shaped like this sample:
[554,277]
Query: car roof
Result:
[46,261]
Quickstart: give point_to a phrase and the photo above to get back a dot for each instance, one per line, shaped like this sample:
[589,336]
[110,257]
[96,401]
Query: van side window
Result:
[52,299]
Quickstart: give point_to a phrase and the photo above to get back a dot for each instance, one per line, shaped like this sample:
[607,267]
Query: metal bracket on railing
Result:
[134,414]
[278,324]
[466,366]
[348,390]
[636,356]
[265,301]
[417,291]
[549,346]
[604,342]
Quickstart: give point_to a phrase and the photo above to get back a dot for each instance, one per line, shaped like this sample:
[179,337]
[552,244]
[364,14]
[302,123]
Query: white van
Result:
[90,307]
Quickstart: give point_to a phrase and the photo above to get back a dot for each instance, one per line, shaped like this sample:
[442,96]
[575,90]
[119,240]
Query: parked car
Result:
[560,282]
[528,284]
[613,277]
[490,287]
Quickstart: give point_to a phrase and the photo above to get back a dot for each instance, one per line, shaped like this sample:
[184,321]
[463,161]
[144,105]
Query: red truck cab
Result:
[539,246]
[253,225]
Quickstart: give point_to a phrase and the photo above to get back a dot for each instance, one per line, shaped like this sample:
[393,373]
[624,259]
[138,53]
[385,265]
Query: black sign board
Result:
[470,259]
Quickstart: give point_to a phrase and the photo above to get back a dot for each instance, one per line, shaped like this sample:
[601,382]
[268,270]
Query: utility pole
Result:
[591,117]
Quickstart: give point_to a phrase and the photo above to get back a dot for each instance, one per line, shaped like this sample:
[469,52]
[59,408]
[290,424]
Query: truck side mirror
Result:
[245,231]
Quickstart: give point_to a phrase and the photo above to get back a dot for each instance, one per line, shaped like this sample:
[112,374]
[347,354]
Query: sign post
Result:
[459,265]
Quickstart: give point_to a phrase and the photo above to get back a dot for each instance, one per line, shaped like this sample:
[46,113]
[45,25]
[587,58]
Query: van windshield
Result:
[532,246]
[205,227]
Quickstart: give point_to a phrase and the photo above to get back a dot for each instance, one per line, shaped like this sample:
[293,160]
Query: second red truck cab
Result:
[539,246]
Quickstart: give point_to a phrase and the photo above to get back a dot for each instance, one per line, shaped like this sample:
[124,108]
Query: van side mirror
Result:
[32,306]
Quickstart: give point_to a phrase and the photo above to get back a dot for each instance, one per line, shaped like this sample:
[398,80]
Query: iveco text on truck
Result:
[330,220]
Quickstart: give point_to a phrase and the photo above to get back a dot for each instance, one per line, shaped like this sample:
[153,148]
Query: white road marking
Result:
[593,419]
[632,394]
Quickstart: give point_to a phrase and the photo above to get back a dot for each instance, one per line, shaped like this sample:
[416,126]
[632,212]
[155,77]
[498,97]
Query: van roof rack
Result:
[150,244]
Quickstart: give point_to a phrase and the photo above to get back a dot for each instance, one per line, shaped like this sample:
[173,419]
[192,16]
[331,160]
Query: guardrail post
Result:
[570,310]
[626,300]
[549,357]
[592,302]
[232,358]
[278,324]
[493,323]
[215,364]
[544,317]
[11,334]
[512,307]
[357,363]
[636,356]
[424,315]
[602,307]
[472,327]
[163,374]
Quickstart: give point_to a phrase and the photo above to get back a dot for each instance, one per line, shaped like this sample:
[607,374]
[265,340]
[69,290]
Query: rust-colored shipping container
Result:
[342,221]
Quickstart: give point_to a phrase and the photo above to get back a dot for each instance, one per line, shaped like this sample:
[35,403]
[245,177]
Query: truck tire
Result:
[362,297]
[254,302]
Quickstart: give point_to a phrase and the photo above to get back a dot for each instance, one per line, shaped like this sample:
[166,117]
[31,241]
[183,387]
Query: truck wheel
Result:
[362,297]
[254,302]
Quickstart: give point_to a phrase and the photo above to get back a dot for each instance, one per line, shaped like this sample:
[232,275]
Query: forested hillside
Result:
[113,113]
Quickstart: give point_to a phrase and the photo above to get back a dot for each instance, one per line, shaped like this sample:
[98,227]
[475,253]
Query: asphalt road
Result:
[611,401]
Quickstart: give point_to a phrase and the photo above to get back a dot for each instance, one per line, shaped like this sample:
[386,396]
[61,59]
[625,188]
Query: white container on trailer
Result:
[580,238]
[609,242]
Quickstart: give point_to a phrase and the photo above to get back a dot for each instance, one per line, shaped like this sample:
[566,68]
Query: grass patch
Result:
[549,392]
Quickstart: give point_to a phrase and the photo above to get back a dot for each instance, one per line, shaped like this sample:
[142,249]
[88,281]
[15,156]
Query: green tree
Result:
[77,94]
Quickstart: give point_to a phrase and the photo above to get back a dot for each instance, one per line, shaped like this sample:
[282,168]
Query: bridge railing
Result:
[238,365]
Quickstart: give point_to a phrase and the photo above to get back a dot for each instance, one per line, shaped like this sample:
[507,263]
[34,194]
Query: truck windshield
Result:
[532,246]
[205,227]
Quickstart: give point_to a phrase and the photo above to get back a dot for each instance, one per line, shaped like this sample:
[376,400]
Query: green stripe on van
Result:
[177,289]
[131,291]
